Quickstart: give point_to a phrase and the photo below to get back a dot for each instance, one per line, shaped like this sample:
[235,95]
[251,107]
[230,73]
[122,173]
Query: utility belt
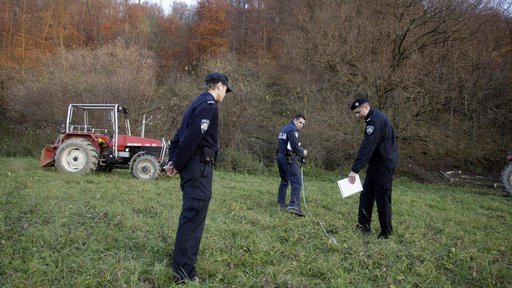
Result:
[289,155]
[287,152]
[206,155]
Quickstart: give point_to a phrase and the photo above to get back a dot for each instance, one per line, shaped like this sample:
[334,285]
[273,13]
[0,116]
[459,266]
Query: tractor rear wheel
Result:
[146,168]
[506,177]
[76,156]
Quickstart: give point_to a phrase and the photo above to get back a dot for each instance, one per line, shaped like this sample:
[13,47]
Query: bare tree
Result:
[407,56]
[111,74]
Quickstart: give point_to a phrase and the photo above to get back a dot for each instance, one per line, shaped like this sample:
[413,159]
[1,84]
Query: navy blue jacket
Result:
[198,129]
[379,148]
[289,134]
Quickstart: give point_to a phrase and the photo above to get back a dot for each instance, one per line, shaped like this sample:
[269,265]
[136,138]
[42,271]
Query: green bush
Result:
[238,161]
[29,144]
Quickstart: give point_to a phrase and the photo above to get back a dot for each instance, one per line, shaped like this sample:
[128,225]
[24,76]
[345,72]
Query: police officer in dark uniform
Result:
[289,152]
[380,151]
[192,154]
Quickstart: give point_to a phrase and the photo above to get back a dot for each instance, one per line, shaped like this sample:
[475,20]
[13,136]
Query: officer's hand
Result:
[305,152]
[171,171]
[352,177]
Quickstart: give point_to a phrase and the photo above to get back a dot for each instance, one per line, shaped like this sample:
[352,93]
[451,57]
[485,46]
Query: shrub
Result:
[238,161]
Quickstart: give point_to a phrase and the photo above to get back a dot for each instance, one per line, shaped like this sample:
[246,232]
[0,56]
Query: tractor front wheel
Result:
[146,168]
[76,156]
[506,177]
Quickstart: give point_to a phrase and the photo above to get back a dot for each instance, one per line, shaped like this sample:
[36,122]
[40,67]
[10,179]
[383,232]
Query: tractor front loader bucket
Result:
[47,156]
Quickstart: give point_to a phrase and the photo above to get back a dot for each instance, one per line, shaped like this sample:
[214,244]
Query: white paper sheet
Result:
[348,189]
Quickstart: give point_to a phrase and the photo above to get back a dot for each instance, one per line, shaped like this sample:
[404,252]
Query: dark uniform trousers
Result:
[377,187]
[289,171]
[196,184]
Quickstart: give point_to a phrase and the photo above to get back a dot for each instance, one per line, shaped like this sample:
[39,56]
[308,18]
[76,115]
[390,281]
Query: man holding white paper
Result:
[380,151]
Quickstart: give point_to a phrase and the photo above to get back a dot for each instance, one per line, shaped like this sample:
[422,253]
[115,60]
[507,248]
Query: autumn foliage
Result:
[210,28]
[442,71]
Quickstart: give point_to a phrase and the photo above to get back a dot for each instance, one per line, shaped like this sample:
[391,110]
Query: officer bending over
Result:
[380,151]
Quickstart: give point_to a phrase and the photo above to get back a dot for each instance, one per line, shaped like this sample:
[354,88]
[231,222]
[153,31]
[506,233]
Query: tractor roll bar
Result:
[113,108]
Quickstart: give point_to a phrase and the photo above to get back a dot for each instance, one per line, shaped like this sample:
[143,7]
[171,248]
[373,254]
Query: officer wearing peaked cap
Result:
[380,151]
[192,154]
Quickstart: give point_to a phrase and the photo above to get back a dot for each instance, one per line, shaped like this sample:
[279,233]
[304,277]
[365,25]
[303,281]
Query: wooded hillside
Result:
[441,69]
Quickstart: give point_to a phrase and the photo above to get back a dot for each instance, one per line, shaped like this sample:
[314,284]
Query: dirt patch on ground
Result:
[421,175]
[455,177]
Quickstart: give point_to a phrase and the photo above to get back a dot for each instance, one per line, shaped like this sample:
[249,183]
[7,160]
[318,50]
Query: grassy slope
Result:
[111,230]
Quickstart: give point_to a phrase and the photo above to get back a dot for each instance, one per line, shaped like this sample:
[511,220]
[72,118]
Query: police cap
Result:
[214,78]
[357,103]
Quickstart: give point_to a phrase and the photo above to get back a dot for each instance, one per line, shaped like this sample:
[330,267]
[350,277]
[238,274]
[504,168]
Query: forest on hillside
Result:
[440,69]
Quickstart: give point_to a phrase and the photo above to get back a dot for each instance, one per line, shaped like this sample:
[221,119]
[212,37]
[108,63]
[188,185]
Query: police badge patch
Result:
[204,125]
[369,130]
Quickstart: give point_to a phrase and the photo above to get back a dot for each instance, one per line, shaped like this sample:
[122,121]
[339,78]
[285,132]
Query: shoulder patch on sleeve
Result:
[210,102]
[369,130]
[204,125]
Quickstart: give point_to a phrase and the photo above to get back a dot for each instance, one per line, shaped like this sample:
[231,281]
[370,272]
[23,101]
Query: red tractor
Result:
[506,175]
[92,139]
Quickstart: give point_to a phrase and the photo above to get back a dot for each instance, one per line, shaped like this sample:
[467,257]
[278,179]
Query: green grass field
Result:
[111,230]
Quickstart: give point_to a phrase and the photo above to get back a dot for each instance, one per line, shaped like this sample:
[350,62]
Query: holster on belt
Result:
[208,156]
[290,155]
